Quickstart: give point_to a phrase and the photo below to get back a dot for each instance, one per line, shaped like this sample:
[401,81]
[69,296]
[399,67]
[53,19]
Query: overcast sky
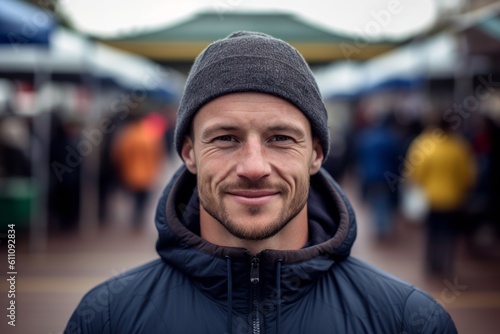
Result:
[372,18]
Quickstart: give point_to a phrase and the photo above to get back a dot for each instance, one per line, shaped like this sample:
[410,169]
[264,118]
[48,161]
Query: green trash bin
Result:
[17,199]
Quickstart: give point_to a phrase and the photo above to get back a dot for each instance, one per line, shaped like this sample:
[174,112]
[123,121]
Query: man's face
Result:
[253,155]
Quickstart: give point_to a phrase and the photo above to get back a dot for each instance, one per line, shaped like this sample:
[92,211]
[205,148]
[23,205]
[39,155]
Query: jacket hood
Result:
[332,231]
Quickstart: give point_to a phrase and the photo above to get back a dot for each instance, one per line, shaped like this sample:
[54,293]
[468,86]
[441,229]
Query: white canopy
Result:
[437,57]
[74,54]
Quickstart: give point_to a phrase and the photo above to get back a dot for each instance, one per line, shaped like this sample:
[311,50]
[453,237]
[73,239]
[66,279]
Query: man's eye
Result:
[280,138]
[224,138]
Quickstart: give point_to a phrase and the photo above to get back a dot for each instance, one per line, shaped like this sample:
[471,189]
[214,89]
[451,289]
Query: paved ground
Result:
[49,285]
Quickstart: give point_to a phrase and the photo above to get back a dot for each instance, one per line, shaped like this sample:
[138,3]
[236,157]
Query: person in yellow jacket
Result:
[441,162]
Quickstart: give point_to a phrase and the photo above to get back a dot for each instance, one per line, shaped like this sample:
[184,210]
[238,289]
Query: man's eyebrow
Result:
[287,128]
[210,130]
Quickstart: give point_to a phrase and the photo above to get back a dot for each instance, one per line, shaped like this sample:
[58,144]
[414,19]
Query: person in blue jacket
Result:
[377,149]
[254,236]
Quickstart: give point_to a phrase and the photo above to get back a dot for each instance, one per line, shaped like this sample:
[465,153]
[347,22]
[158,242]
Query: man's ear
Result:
[187,154]
[317,157]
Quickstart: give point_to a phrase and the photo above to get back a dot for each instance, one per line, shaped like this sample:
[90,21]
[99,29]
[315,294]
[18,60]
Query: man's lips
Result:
[253,197]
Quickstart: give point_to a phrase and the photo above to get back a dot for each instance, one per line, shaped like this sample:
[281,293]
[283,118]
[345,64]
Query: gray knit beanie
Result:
[252,62]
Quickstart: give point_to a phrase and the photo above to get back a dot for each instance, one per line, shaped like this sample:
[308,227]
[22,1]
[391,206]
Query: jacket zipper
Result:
[254,279]
[254,271]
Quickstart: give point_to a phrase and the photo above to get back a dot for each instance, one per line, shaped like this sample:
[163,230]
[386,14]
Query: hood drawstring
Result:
[229,328]
[278,295]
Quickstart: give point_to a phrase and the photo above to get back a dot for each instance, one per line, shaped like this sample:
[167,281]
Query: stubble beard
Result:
[215,207]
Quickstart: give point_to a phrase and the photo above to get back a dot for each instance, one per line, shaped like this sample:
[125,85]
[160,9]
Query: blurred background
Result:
[88,96]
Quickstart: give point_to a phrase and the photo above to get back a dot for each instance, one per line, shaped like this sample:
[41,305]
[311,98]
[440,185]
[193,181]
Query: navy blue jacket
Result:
[198,287]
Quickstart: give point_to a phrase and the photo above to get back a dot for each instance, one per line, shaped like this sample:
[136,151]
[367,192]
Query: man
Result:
[253,236]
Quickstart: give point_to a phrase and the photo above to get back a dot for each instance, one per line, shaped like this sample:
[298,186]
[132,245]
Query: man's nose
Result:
[253,163]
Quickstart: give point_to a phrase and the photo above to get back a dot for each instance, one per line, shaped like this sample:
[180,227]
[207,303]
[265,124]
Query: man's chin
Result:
[253,235]
[247,229]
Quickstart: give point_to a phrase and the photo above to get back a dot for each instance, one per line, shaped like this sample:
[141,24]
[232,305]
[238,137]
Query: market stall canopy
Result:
[470,42]
[75,58]
[182,42]
[481,29]
[32,44]
[436,57]
[21,23]
[404,67]
[127,70]
[340,80]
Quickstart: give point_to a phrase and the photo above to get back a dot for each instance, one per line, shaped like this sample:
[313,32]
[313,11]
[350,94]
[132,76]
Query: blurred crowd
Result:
[421,167]
[113,154]
[427,169]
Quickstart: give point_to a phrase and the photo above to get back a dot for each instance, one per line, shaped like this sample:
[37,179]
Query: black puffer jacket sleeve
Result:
[92,314]
[422,314]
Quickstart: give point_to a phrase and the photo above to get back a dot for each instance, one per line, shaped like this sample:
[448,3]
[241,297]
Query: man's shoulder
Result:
[390,296]
[120,297]
[133,282]
[373,277]
[379,283]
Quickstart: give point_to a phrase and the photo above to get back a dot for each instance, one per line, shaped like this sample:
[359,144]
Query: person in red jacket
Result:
[138,153]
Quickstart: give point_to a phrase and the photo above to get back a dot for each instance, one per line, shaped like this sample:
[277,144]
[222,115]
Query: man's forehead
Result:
[252,106]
